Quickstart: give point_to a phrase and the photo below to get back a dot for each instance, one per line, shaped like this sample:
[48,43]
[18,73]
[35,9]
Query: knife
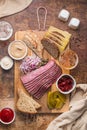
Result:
[36,52]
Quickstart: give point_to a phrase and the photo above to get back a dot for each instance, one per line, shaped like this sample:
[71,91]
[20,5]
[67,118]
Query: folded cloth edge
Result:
[10,7]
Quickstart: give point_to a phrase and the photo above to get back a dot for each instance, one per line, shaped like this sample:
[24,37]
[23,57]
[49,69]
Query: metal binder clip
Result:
[44,24]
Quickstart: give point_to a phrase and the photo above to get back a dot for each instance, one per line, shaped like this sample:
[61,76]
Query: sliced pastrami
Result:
[38,81]
[30,76]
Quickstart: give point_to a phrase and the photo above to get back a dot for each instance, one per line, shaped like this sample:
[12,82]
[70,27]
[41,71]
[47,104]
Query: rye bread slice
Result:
[51,48]
[26,103]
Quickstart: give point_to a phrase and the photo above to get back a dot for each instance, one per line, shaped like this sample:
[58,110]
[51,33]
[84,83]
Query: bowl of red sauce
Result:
[7,116]
[66,83]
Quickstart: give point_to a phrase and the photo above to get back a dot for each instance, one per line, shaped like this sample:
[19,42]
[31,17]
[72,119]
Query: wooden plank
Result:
[18,84]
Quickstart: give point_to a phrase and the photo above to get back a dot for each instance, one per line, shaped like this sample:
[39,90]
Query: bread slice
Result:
[55,41]
[25,106]
[35,104]
[51,48]
[26,103]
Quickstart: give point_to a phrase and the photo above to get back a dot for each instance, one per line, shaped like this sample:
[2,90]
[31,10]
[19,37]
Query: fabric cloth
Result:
[8,7]
[76,117]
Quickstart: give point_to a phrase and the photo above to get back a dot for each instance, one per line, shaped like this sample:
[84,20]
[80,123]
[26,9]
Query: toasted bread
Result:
[26,103]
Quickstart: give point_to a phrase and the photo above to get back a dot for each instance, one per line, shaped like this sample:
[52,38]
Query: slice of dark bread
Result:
[51,48]
[55,41]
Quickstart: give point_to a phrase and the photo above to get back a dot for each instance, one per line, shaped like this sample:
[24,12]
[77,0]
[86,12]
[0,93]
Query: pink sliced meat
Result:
[49,82]
[43,89]
[44,81]
[42,76]
[45,78]
[30,76]
[38,81]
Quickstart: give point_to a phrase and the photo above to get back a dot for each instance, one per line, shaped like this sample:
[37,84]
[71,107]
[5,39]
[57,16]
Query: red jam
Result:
[65,83]
[6,115]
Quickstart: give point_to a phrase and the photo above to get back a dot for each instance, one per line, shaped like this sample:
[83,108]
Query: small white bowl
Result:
[66,56]
[6,63]
[9,50]
[7,123]
[5,28]
[73,85]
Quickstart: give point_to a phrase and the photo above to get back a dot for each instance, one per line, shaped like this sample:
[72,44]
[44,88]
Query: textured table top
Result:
[27,20]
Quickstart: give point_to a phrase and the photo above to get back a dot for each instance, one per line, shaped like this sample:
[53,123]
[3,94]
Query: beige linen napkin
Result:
[76,117]
[8,7]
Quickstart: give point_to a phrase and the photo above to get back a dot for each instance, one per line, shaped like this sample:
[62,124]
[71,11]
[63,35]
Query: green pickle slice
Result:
[55,100]
[59,95]
[50,101]
[59,104]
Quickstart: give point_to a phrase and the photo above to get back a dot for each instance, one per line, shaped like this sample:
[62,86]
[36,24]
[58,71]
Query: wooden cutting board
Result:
[18,84]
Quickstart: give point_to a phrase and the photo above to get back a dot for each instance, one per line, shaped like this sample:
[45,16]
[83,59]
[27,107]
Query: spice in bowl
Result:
[68,59]
[6,30]
[65,83]
[7,116]
[17,50]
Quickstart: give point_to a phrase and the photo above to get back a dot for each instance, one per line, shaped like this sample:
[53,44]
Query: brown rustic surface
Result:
[27,20]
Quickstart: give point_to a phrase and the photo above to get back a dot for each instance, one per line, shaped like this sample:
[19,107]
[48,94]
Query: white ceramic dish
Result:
[73,87]
[9,50]
[7,123]
[67,59]
[6,63]
[6,30]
